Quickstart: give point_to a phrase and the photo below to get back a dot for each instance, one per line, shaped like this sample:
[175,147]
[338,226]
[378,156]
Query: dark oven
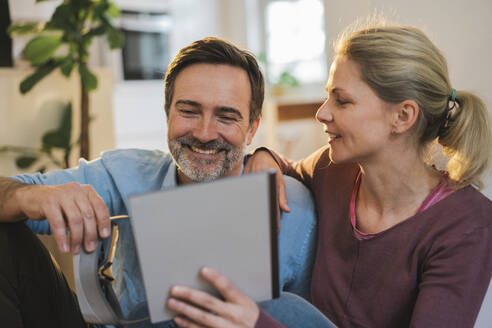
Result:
[145,55]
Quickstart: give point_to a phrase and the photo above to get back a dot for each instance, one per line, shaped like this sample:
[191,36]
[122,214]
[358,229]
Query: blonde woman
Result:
[400,243]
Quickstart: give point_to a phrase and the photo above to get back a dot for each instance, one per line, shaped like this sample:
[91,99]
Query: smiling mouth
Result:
[204,151]
[333,135]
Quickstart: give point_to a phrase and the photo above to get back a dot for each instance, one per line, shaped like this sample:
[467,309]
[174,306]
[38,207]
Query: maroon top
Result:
[431,270]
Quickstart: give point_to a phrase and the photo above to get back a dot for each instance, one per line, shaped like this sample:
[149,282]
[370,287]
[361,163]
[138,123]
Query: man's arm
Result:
[9,209]
[74,206]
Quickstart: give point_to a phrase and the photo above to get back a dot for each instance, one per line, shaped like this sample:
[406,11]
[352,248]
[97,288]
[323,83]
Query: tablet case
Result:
[228,224]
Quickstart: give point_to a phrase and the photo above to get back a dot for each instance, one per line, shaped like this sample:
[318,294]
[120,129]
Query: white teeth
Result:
[204,151]
[332,135]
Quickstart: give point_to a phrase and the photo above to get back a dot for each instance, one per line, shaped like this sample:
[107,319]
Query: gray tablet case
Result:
[228,224]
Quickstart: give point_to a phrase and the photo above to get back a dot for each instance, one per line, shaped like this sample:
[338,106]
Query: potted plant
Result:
[55,147]
[63,43]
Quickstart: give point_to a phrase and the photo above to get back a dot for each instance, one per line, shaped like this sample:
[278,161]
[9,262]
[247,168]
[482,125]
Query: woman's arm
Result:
[264,159]
[454,281]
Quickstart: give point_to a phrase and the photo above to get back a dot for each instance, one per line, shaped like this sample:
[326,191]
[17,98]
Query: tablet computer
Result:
[228,224]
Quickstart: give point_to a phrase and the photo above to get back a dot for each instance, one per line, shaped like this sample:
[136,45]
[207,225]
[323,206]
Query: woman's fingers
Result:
[200,298]
[261,161]
[238,310]
[281,193]
[223,285]
[186,323]
[199,316]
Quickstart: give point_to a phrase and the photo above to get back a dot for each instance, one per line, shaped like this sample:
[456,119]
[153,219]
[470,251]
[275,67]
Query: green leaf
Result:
[262,57]
[29,82]
[67,66]
[115,38]
[24,28]
[89,80]
[42,48]
[113,11]
[63,18]
[97,31]
[287,79]
[99,9]
[23,162]
[59,138]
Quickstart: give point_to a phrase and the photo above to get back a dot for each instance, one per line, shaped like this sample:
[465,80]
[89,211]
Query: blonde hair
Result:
[401,63]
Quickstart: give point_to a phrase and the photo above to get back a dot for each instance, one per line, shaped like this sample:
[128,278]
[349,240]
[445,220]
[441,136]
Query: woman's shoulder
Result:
[463,212]
[472,201]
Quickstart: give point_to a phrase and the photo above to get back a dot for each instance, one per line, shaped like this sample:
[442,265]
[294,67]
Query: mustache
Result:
[216,144]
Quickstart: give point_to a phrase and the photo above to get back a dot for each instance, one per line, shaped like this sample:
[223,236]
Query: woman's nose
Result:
[324,114]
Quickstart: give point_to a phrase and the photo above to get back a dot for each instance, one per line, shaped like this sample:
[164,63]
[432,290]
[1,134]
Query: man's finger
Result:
[100,210]
[89,223]
[75,225]
[58,227]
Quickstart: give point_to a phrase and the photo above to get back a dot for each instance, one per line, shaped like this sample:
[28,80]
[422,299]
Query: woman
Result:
[400,243]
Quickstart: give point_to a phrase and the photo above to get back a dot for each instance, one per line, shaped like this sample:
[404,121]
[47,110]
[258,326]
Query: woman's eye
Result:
[341,102]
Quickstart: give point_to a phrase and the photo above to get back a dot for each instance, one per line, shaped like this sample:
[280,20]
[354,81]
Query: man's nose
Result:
[206,130]
[324,113]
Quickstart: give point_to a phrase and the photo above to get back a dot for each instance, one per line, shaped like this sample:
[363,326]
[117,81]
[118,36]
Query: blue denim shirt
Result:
[118,174]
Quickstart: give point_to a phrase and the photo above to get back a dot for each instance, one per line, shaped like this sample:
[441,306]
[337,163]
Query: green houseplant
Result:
[55,147]
[63,43]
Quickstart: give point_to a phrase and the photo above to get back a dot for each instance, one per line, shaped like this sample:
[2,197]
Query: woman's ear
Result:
[404,116]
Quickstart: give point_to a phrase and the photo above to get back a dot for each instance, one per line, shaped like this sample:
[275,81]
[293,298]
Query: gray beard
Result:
[200,170]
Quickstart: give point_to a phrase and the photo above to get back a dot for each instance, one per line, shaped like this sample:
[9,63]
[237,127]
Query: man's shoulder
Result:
[136,155]
[137,170]
[140,159]
[298,194]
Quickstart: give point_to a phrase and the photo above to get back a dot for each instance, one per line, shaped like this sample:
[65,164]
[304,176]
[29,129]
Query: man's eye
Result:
[227,118]
[188,111]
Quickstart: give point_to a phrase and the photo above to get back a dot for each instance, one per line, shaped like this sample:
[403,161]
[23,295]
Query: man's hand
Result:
[262,161]
[71,205]
[200,309]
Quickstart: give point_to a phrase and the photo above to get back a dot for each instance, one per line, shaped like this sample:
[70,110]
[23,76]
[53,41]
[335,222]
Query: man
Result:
[213,99]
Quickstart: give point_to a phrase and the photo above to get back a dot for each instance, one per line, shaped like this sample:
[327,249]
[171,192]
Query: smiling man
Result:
[213,99]
[210,121]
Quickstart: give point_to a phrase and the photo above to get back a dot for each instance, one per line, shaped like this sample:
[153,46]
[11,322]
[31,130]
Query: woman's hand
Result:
[262,161]
[200,309]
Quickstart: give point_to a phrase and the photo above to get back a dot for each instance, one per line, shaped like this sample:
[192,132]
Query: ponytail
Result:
[467,140]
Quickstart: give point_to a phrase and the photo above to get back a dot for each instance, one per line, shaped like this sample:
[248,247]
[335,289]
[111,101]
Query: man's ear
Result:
[404,116]
[252,131]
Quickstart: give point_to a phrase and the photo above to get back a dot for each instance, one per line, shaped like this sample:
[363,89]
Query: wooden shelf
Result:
[290,112]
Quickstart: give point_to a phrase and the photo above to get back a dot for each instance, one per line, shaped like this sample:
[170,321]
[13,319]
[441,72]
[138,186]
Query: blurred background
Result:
[291,38]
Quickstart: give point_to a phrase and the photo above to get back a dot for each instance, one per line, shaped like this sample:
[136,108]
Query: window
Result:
[294,36]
